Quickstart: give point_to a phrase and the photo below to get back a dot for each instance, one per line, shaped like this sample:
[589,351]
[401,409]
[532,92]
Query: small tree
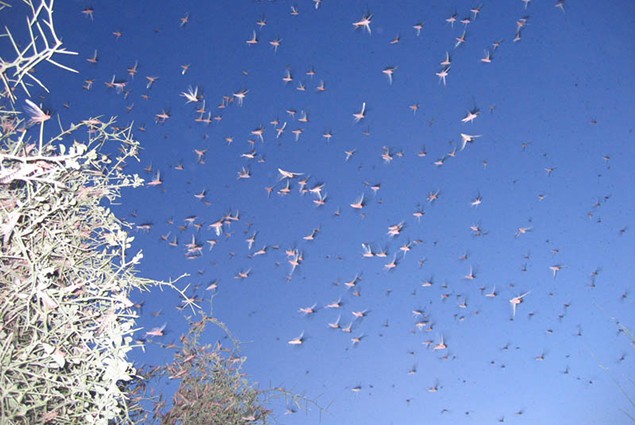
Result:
[65,317]
[66,321]
[66,274]
[213,387]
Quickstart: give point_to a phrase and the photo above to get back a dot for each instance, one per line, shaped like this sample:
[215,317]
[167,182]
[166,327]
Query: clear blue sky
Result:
[554,156]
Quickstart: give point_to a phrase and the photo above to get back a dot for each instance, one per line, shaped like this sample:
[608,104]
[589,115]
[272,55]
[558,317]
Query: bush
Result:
[65,317]
[213,389]
[66,274]
[66,321]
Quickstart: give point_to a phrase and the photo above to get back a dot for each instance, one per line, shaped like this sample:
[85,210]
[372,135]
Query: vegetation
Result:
[66,274]
[66,321]
[65,317]
[213,390]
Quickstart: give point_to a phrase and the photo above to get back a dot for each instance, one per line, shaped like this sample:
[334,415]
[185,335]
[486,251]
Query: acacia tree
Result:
[66,273]
[66,322]
[212,390]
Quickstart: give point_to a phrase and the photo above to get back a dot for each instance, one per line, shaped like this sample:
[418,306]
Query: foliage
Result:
[66,274]
[213,388]
[66,322]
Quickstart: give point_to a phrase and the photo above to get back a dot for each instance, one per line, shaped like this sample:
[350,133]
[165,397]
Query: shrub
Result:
[65,277]
[66,274]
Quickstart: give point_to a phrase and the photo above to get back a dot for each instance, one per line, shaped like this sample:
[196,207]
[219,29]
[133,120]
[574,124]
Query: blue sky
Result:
[553,156]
